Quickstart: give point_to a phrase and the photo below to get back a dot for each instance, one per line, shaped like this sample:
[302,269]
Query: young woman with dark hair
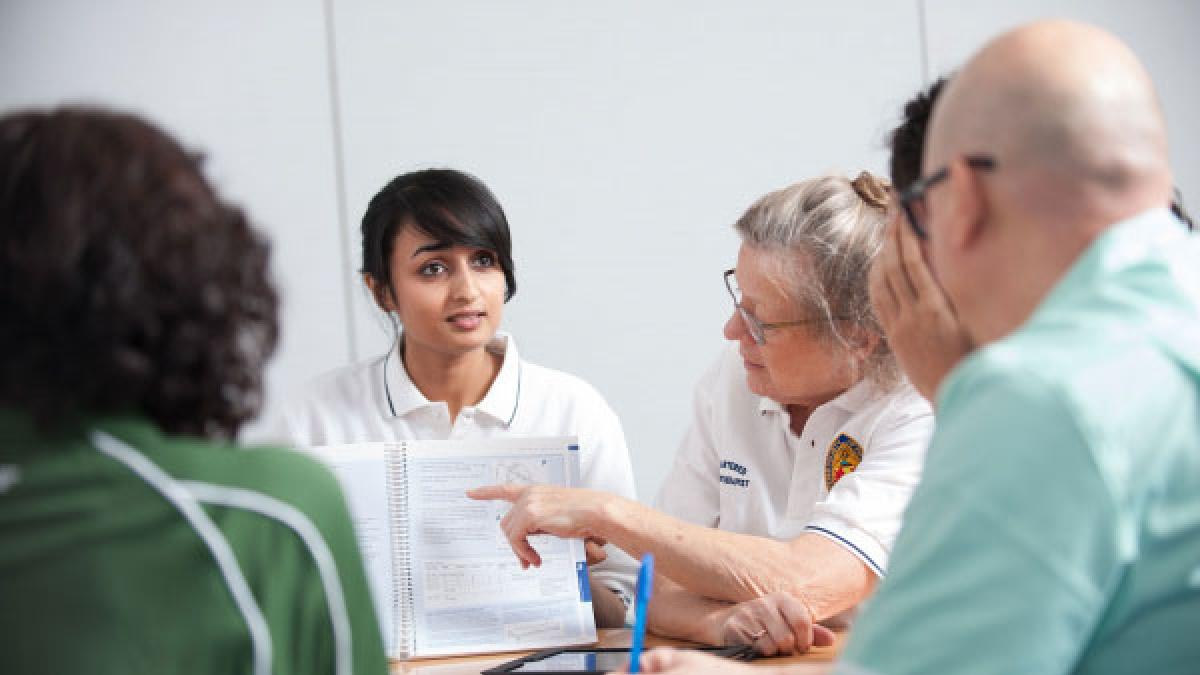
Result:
[437,259]
[137,319]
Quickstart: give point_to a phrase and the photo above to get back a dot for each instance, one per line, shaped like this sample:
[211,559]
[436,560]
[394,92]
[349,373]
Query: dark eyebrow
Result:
[438,246]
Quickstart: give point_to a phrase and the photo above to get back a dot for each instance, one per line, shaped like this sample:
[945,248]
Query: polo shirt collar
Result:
[857,397]
[1125,245]
[769,405]
[500,402]
[503,397]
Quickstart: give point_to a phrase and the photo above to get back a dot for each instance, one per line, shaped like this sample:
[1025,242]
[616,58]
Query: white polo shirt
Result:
[848,477]
[376,400]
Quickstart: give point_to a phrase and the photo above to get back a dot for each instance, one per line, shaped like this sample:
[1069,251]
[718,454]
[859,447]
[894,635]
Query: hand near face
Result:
[546,509]
[920,323]
[776,624]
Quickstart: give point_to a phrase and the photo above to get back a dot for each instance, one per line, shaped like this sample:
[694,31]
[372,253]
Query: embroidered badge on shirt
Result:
[843,457]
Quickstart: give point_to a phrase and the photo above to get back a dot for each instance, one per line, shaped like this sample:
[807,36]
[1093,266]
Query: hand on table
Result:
[776,624]
[921,326]
[547,509]
[689,662]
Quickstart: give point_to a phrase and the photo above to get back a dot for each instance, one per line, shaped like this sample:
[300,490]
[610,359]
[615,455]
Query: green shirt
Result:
[1057,525]
[127,551]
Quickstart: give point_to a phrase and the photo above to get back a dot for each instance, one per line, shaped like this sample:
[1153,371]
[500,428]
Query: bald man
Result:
[1057,525]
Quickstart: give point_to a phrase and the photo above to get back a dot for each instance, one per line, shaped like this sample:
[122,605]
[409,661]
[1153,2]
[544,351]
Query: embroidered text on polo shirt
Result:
[728,464]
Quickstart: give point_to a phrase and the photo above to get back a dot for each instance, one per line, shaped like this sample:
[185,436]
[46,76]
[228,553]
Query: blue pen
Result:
[645,581]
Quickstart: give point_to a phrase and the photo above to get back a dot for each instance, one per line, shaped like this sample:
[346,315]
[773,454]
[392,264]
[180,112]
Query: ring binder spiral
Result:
[444,579]
[397,484]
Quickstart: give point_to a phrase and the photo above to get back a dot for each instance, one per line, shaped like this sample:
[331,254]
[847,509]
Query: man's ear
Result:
[381,292]
[966,203]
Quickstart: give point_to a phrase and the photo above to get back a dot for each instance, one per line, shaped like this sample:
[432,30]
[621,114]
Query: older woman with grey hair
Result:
[805,445]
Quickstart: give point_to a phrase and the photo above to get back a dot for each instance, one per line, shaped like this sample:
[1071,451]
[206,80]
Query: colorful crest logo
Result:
[843,457]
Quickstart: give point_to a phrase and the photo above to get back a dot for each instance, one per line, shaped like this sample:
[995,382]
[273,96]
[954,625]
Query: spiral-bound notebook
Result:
[444,579]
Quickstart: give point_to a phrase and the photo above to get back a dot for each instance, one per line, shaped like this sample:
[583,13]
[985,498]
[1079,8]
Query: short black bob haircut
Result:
[127,285]
[453,207]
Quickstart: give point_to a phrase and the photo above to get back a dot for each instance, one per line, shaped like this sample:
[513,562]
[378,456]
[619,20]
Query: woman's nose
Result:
[466,286]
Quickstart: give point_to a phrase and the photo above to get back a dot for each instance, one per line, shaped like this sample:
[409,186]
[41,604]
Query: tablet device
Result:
[589,660]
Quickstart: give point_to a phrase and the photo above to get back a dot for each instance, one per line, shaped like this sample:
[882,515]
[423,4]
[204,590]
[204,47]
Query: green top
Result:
[127,551]
[1057,525]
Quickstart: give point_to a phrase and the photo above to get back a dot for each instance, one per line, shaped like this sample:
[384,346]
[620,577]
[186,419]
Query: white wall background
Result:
[623,139]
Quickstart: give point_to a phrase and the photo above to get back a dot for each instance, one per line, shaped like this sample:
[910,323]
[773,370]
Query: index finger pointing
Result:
[508,492]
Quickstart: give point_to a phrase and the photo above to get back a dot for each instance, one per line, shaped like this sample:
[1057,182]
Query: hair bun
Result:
[872,189]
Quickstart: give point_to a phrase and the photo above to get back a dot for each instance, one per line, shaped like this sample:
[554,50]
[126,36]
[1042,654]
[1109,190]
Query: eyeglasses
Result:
[758,329]
[913,197]
[1180,212]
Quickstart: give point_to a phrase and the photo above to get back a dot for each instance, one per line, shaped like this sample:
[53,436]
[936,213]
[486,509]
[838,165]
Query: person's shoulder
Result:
[1025,385]
[900,399]
[560,385]
[272,479]
[1008,366]
[315,412]
[1119,382]
[343,390]
[345,382]
[1058,360]
[895,412]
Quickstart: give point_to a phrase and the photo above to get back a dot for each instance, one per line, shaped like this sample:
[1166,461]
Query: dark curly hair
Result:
[907,140]
[127,286]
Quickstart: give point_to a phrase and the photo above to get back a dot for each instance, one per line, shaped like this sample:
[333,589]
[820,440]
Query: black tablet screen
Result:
[582,661]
